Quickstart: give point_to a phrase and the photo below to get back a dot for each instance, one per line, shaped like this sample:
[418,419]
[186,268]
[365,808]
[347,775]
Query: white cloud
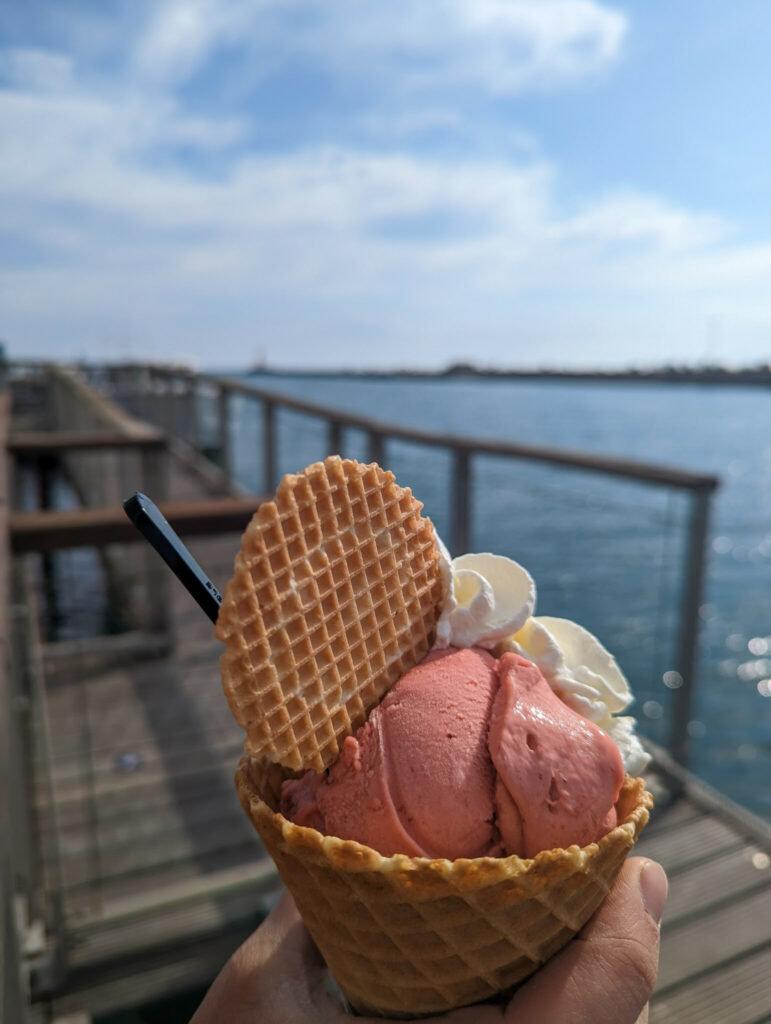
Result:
[36,70]
[539,44]
[332,242]
[635,219]
[181,34]
[83,148]
[500,45]
[132,252]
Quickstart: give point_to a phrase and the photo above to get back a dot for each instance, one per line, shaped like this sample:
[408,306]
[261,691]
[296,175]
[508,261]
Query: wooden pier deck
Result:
[161,876]
[160,873]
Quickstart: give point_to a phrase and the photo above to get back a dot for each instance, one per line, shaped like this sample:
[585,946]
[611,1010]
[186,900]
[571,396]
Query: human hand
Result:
[606,973]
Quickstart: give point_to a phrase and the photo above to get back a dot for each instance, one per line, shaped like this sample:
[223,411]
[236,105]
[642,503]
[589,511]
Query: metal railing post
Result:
[461,501]
[335,437]
[693,579]
[167,399]
[269,445]
[145,406]
[223,407]
[190,405]
[376,447]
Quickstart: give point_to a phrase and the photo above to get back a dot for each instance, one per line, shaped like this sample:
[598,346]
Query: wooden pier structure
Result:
[129,870]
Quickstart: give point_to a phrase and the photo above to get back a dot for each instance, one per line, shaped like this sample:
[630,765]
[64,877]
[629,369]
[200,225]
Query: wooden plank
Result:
[674,816]
[43,442]
[712,801]
[119,794]
[195,821]
[178,968]
[203,916]
[229,881]
[691,844]
[86,860]
[95,773]
[187,908]
[721,878]
[85,900]
[94,527]
[158,814]
[738,993]
[702,945]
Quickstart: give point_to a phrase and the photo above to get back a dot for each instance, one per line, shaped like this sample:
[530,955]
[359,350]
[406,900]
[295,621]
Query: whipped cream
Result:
[489,602]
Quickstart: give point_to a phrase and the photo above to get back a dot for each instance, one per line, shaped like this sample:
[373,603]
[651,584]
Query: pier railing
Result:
[17,891]
[198,409]
[110,444]
[80,458]
[69,460]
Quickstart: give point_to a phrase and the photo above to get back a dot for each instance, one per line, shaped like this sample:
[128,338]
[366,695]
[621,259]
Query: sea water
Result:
[606,552]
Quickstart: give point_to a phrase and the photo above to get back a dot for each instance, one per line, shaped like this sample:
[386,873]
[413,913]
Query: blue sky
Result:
[511,182]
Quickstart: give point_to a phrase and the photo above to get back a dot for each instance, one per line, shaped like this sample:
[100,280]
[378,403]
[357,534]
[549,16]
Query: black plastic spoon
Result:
[151,523]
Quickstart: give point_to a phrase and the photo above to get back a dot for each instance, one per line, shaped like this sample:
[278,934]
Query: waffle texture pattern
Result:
[335,595]
[406,936]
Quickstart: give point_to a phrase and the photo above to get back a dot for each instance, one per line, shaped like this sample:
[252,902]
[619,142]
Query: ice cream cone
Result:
[336,594]
[407,936]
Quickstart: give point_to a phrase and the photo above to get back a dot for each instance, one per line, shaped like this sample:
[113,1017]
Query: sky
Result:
[328,183]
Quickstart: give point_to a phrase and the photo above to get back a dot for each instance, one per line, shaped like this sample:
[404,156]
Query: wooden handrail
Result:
[93,527]
[43,442]
[644,472]
[464,450]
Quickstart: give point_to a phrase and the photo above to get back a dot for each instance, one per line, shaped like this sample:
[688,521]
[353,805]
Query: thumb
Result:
[609,970]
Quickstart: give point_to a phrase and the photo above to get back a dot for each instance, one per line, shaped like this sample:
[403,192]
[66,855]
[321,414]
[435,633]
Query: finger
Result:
[608,971]
[276,972]
[287,957]
[283,929]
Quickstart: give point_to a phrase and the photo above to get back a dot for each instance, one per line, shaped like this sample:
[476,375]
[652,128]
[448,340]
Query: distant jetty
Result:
[752,375]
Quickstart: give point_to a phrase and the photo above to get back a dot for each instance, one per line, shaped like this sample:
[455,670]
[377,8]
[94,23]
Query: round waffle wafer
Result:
[335,595]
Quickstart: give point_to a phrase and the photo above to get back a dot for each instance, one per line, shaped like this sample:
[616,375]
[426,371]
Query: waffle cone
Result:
[406,936]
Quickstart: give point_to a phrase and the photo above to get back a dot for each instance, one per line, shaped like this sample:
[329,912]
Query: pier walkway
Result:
[145,874]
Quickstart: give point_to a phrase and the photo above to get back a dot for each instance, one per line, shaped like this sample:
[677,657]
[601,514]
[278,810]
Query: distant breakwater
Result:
[754,376]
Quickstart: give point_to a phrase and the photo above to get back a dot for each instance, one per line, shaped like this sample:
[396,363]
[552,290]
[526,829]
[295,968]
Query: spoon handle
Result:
[150,522]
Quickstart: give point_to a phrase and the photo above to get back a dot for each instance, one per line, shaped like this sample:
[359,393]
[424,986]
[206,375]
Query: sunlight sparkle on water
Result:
[652,709]
[759,645]
[754,669]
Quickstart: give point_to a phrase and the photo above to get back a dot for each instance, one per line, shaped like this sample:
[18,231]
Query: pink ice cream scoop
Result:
[466,756]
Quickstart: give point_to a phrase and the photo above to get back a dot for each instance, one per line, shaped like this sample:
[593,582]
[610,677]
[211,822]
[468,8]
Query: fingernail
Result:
[654,888]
